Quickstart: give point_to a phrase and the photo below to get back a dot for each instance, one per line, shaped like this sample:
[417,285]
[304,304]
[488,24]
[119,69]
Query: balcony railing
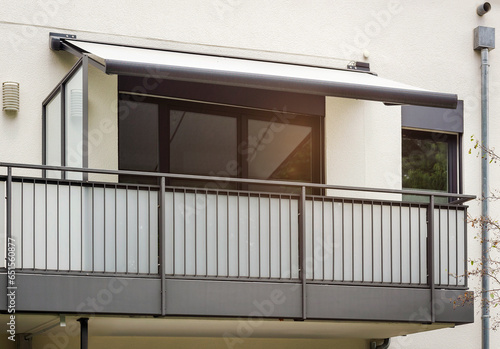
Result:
[70,226]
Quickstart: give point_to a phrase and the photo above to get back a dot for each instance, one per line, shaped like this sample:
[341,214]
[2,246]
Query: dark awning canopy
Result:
[135,61]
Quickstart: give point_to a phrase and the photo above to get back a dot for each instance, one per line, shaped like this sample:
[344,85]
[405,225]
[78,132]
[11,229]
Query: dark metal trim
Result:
[287,84]
[66,77]
[55,42]
[460,165]
[85,116]
[96,64]
[63,126]
[49,272]
[435,119]
[71,49]
[8,227]
[430,256]
[44,139]
[303,250]
[454,152]
[161,248]
[237,180]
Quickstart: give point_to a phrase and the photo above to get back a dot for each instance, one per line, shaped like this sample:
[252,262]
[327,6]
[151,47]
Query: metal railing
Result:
[207,231]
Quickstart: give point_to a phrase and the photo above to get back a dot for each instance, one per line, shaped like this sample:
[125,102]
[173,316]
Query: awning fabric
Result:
[211,69]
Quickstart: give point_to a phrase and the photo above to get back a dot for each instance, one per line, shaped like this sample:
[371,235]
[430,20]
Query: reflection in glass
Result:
[138,141]
[74,123]
[278,151]
[203,144]
[425,161]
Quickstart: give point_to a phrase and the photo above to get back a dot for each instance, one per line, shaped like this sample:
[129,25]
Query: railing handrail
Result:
[461,198]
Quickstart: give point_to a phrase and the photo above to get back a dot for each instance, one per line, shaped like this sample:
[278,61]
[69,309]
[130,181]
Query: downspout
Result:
[484,40]
[384,345]
[485,316]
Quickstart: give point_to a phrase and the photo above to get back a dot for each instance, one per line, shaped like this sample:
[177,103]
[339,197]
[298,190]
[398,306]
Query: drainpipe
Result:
[484,41]
[384,345]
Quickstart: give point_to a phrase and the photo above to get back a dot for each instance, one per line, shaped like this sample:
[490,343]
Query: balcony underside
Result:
[225,330]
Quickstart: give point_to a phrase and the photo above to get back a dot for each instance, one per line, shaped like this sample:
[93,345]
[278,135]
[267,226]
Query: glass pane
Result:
[425,161]
[138,136]
[278,151]
[53,135]
[74,123]
[203,144]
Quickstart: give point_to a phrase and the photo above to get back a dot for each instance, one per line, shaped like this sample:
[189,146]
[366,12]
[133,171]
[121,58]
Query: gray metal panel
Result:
[446,311]
[233,298]
[368,303]
[439,119]
[87,294]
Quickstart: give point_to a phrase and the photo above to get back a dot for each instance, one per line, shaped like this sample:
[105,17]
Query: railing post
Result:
[302,249]
[8,208]
[84,332]
[466,263]
[430,256]
[8,226]
[161,248]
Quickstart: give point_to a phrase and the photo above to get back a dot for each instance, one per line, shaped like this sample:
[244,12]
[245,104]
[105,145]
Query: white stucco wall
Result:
[426,44]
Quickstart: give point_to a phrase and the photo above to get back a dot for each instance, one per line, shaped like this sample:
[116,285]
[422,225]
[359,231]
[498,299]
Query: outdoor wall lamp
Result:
[10,90]
[483,8]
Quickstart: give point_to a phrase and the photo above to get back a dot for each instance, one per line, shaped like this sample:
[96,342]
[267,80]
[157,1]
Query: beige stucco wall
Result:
[362,146]
[103,123]
[198,342]
[423,43]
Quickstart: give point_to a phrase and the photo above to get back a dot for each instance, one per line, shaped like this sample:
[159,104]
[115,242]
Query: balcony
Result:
[213,251]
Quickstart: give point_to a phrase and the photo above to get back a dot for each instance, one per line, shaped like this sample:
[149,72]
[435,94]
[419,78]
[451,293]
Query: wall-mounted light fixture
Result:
[10,99]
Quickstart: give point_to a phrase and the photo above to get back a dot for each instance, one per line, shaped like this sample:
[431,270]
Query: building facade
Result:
[235,174]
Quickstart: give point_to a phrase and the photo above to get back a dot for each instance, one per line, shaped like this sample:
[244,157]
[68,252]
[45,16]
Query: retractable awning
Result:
[135,61]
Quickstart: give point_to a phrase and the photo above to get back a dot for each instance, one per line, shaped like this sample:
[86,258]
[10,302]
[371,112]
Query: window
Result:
[64,125]
[159,134]
[431,143]
[429,161]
